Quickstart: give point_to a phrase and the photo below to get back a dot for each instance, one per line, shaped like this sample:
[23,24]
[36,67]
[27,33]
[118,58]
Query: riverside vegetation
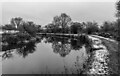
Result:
[101,41]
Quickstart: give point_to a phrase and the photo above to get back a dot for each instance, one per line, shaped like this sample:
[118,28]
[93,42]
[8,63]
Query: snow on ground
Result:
[104,38]
[100,58]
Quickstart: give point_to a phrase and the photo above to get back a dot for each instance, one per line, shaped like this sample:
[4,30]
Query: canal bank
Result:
[104,59]
[104,55]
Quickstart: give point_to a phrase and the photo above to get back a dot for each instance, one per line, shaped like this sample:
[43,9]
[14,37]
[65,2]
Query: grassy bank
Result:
[112,47]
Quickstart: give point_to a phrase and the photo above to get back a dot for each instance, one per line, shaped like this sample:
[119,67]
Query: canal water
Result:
[48,55]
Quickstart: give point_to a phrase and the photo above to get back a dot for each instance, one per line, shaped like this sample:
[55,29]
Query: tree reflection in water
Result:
[60,45]
[76,44]
[27,49]
[7,54]
[62,49]
[21,49]
[63,46]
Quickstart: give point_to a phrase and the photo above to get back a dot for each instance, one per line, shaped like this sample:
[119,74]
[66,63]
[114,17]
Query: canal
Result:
[48,55]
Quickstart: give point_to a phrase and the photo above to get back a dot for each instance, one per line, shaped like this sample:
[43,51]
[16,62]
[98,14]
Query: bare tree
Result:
[62,21]
[16,21]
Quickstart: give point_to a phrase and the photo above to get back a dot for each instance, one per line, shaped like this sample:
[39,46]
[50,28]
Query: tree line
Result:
[64,24]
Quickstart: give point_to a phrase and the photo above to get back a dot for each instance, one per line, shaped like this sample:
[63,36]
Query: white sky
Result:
[43,12]
[58,1]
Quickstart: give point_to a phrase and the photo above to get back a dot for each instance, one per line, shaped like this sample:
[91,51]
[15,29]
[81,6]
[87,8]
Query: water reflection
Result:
[22,49]
[68,54]
[27,49]
[76,44]
[61,46]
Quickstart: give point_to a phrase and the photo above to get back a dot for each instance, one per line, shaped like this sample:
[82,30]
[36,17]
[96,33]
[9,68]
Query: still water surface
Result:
[49,55]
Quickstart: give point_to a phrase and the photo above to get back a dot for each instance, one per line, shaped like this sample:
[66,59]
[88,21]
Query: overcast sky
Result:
[43,12]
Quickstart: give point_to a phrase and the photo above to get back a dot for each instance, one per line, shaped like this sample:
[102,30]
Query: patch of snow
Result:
[104,38]
[99,65]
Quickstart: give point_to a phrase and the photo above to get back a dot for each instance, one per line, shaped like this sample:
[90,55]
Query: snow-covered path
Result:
[96,36]
[100,58]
